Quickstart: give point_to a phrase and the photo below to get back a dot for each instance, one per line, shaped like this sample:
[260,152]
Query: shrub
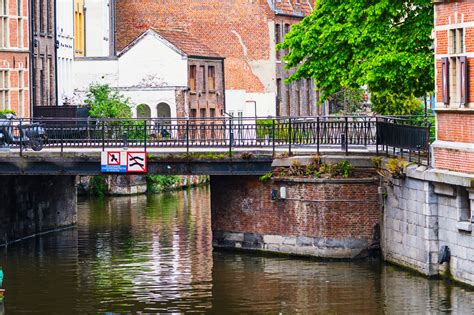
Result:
[344,169]
[98,186]
[158,183]
[266,177]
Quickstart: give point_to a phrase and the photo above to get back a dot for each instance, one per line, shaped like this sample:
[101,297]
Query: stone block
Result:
[444,189]
[289,241]
[273,239]
[414,184]
[304,241]
[464,227]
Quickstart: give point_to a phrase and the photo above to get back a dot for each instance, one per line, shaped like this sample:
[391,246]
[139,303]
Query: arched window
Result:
[163,110]
[143,111]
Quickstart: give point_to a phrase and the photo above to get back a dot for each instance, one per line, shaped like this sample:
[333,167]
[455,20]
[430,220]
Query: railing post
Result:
[377,135]
[318,133]
[273,137]
[187,136]
[62,139]
[21,138]
[144,136]
[231,136]
[347,136]
[103,135]
[290,136]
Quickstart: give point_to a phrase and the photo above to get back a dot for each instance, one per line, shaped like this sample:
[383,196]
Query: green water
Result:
[154,254]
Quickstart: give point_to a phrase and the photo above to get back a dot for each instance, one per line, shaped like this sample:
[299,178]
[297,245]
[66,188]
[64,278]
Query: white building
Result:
[98,23]
[65,52]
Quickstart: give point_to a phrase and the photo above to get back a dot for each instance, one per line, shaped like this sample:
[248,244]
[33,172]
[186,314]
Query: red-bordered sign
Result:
[113,158]
[137,162]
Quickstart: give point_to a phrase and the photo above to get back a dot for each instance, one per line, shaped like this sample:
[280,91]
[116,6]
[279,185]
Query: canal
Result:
[154,254]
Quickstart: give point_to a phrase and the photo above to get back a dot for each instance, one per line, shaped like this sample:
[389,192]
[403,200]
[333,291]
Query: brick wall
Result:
[455,127]
[15,58]
[326,218]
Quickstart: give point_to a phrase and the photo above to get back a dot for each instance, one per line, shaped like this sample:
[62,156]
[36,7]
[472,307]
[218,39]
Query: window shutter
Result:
[445,80]
[464,80]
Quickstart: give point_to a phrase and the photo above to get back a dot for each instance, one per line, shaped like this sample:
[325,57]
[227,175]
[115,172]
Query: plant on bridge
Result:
[385,45]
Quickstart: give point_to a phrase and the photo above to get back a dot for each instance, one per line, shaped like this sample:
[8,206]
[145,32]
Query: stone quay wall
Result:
[424,212]
[326,218]
[34,205]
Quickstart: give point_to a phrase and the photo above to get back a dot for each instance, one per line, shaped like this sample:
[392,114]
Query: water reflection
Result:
[154,254]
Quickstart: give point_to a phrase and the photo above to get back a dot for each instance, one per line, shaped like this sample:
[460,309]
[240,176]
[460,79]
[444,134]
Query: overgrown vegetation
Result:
[394,168]
[266,177]
[315,169]
[98,186]
[159,183]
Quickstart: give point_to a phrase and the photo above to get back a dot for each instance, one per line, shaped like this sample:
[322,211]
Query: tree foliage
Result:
[106,103]
[383,44]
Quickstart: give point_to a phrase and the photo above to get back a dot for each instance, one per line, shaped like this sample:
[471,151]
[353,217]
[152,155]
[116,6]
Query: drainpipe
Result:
[32,76]
[56,46]
[223,85]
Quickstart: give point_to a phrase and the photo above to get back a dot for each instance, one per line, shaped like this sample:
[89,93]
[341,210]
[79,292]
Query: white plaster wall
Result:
[151,62]
[241,101]
[151,98]
[87,72]
[65,52]
[97,25]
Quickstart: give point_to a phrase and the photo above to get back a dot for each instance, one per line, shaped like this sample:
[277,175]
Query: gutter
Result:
[32,75]
[56,44]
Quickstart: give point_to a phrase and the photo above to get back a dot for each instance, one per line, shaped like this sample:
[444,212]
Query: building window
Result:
[41,16]
[202,71]
[288,101]
[278,98]
[4,29]
[79,29]
[464,206]
[309,87]
[4,89]
[20,33]
[298,98]
[19,7]
[211,78]
[192,78]
[278,39]
[454,71]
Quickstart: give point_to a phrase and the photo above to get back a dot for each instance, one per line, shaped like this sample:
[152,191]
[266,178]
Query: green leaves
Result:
[383,44]
[106,103]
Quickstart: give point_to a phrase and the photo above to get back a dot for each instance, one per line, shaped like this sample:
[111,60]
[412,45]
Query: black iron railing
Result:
[405,135]
[290,132]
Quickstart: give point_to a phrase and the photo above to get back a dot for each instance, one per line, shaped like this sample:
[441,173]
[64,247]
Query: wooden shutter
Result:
[445,80]
[464,88]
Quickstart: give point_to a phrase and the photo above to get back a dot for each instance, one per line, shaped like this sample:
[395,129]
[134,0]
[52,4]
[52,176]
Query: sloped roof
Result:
[292,7]
[184,42]
[187,43]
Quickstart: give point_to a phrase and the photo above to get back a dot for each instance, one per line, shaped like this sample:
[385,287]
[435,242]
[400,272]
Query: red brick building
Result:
[245,33]
[454,44]
[14,57]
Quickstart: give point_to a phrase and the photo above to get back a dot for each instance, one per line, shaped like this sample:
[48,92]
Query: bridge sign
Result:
[136,162]
[123,162]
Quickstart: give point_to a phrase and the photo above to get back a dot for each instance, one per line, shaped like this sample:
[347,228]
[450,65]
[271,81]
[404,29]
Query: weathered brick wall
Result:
[326,218]
[237,30]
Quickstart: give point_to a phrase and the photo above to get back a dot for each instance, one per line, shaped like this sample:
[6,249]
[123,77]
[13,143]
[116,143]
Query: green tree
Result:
[383,44]
[106,103]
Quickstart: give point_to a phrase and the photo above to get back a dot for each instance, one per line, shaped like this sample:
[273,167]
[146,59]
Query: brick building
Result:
[43,76]
[245,33]
[454,29]
[14,57]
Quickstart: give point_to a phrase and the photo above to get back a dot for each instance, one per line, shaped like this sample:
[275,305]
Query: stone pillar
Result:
[32,205]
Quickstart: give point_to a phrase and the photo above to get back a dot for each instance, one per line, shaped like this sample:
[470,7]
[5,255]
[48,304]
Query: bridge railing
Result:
[340,132]
[409,135]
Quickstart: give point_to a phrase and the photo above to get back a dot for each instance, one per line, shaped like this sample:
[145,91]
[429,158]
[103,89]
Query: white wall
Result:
[148,73]
[97,28]
[241,101]
[65,52]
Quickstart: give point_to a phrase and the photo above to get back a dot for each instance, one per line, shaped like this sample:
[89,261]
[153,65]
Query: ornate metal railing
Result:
[231,133]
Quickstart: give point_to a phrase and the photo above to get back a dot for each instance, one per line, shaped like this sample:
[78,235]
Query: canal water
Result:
[154,254]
